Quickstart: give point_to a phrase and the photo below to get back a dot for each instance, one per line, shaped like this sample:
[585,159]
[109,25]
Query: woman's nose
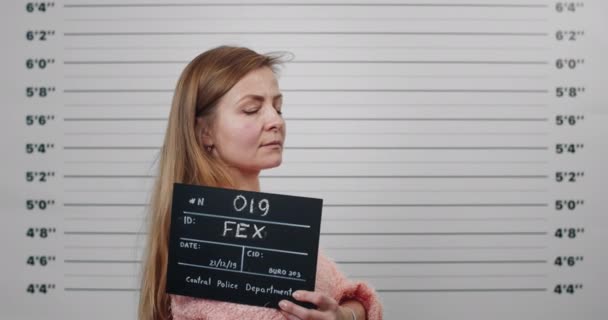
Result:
[273,119]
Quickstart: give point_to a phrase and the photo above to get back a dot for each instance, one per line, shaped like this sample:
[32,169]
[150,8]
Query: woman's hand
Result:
[328,307]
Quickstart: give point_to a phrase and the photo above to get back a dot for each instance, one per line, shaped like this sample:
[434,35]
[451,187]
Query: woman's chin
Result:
[273,162]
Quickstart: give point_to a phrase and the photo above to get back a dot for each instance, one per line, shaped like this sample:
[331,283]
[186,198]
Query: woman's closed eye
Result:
[251,111]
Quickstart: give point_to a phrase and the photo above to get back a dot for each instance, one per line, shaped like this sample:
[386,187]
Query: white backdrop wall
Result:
[458,146]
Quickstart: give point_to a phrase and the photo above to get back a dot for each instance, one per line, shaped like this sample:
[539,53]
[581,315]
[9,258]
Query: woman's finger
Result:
[322,301]
[299,311]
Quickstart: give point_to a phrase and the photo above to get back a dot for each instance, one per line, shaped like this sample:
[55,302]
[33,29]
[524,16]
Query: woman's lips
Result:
[273,144]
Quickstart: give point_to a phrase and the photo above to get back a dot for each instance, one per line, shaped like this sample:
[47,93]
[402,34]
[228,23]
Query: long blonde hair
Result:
[183,159]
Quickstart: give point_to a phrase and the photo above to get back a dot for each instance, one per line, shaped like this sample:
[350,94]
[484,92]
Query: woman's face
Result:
[248,130]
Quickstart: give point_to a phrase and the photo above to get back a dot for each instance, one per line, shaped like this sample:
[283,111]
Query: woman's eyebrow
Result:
[259,98]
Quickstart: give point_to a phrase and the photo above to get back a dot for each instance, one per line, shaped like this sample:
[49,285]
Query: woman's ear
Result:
[204,132]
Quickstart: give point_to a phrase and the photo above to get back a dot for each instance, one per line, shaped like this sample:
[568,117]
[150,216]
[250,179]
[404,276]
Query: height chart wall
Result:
[459,146]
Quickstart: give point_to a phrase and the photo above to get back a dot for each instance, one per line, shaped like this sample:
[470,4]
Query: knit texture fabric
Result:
[330,280]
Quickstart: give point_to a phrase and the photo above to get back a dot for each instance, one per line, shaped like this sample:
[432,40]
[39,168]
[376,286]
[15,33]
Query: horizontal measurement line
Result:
[533,233]
[320,76]
[327,148]
[342,176]
[114,133]
[371,133]
[411,76]
[102,261]
[440,248]
[129,233]
[362,262]
[442,205]
[114,90]
[424,148]
[376,47]
[420,119]
[334,119]
[365,105]
[378,290]
[491,62]
[339,161]
[111,148]
[422,276]
[331,133]
[306,4]
[334,190]
[388,161]
[435,219]
[104,247]
[325,105]
[85,275]
[102,289]
[327,76]
[466,290]
[299,18]
[416,176]
[523,62]
[68,176]
[385,33]
[327,90]
[344,219]
[366,190]
[379,205]
[113,105]
[104,205]
[446,262]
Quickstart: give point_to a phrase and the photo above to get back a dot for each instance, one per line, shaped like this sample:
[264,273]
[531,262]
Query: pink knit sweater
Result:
[330,280]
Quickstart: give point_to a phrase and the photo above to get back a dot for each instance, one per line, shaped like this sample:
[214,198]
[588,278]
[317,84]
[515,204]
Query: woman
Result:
[225,126]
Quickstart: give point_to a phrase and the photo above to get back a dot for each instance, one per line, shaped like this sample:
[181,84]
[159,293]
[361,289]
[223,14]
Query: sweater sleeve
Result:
[190,308]
[334,282]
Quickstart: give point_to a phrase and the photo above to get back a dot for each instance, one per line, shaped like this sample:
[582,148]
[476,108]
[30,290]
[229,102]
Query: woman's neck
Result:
[246,180]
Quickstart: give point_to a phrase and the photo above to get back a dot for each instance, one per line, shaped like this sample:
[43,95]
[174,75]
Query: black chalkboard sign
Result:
[240,246]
